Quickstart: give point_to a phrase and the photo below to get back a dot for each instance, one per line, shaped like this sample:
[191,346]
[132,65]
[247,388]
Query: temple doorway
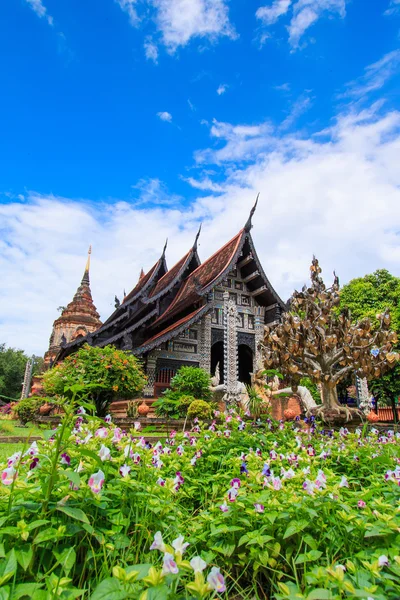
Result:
[217,358]
[245,359]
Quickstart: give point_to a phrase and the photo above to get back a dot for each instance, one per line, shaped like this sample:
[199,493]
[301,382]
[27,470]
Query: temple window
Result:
[233,297]
[215,316]
[245,300]
[240,319]
[250,321]
[238,285]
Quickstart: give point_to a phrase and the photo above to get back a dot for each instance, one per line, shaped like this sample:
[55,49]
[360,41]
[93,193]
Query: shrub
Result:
[27,408]
[256,404]
[192,381]
[200,409]
[104,374]
[172,404]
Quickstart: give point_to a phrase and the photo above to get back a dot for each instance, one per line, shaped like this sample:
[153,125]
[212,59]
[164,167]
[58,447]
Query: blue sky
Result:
[126,121]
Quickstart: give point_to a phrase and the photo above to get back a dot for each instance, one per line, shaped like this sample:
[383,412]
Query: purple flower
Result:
[158,543]
[160,481]
[259,507]
[65,459]
[33,464]
[102,432]
[8,475]
[266,470]
[361,504]
[243,469]
[108,419]
[216,580]
[383,561]
[224,507]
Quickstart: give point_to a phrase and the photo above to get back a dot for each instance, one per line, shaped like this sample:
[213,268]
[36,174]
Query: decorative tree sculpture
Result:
[315,340]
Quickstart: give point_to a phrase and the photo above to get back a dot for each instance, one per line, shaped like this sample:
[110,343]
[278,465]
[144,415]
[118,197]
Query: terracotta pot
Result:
[289,414]
[372,417]
[45,409]
[143,409]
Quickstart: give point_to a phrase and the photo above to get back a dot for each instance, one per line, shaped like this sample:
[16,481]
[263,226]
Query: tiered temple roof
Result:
[165,302]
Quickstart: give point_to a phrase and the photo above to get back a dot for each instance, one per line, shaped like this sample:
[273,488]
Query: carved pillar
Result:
[259,316]
[148,391]
[205,343]
[230,346]
[362,393]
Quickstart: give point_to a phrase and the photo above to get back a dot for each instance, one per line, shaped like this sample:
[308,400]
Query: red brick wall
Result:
[279,405]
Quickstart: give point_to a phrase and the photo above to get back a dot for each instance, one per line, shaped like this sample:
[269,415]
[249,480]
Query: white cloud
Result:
[393,8]
[304,14]
[129,6]
[336,195]
[151,50]
[181,20]
[375,76]
[307,12]
[270,14]
[165,116]
[222,89]
[299,107]
[38,7]
[285,87]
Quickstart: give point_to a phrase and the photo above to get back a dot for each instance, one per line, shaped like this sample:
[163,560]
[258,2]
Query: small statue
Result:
[117,302]
[63,340]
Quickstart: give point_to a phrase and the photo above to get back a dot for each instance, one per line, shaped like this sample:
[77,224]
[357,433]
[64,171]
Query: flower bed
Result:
[228,511]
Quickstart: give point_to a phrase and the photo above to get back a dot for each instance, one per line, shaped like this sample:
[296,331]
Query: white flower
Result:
[124,470]
[383,561]
[104,453]
[169,565]
[216,581]
[158,543]
[179,545]
[344,482]
[198,564]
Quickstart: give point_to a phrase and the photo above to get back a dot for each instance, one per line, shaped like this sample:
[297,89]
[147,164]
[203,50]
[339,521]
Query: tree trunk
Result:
[329,396]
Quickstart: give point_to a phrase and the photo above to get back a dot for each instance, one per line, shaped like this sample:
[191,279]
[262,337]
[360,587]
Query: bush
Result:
[172,404]
[27,408]
[200,409]
[192,381]
[104,374]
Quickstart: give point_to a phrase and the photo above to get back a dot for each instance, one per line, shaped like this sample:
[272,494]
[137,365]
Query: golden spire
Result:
[85,278]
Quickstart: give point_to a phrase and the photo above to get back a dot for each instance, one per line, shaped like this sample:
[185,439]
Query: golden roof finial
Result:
[88,259]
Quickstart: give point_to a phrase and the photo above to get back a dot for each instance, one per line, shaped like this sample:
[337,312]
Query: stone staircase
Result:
[119,408]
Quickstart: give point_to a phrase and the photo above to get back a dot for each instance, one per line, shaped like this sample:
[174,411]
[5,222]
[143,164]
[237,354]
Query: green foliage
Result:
[27,408]
[12,369]
[370,295]
[104,374]
[172,404]
[192,381]
[312,388]
[200,409]
[256,402]
[62,539]
[366,297]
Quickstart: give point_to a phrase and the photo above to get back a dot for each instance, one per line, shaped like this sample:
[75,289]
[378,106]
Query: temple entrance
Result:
[245,359]
[217,357]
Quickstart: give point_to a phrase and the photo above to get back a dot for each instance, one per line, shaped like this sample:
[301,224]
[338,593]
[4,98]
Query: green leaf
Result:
[44,536]
[142,570]
[295,527]
[24,557]
[109,589]
[5,593]
[8,567]
[66,558]
[48,433]
[320,594]
[26,589]
[93,455]
[73,477]
[74,513]
[159,592]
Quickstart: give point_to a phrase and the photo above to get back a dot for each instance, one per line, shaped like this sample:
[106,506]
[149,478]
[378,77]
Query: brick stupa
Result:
[78,319]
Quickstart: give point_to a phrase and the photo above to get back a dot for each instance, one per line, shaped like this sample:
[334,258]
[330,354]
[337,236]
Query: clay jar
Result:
[289,414]
[372,417]
[143,409]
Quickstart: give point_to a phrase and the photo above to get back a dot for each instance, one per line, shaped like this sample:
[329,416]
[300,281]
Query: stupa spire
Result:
[85,278]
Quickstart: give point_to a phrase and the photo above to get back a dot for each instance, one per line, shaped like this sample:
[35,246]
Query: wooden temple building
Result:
[199,314]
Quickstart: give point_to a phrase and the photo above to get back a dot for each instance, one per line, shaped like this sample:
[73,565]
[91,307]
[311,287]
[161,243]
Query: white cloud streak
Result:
[38,7]
[129,7]
[375,76]
[270,14]
[151,50]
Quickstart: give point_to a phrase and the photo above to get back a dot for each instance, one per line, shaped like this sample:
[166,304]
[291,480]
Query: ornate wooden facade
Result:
[199,314]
